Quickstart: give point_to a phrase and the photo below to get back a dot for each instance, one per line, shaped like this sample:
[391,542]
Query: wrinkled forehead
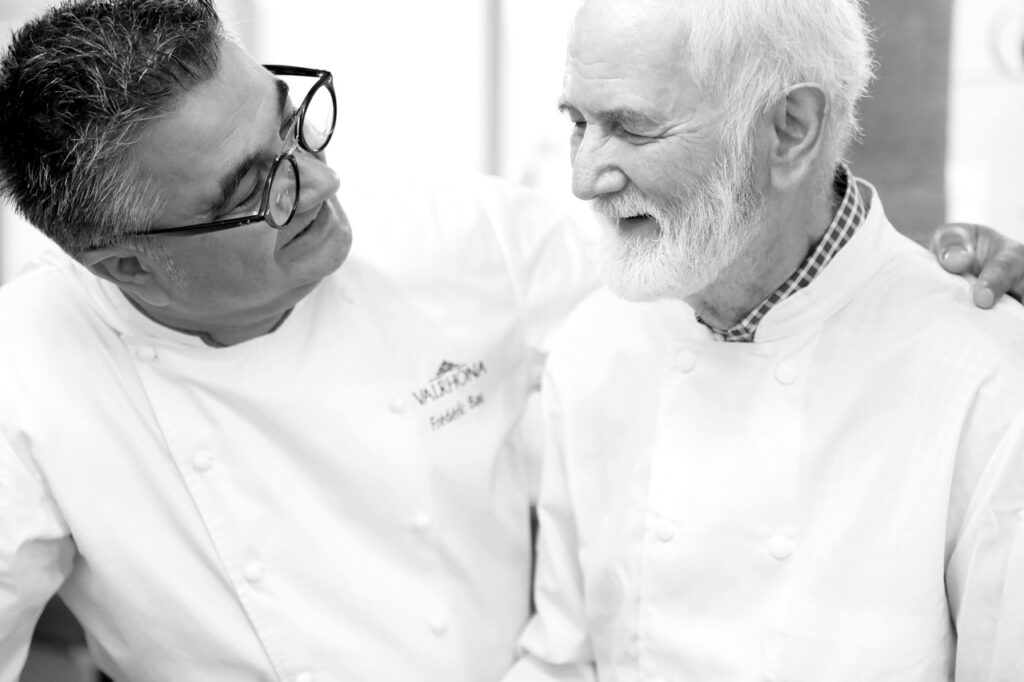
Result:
[630,38]
[655,27]
[624,53]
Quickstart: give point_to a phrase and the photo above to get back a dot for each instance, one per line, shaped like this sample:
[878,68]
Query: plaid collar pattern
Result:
[849,216]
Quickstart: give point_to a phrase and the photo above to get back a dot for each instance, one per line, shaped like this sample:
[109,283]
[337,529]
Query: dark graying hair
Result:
[77,87]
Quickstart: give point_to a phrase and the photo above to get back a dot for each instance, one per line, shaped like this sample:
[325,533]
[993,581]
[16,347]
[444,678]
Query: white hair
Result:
[747,53]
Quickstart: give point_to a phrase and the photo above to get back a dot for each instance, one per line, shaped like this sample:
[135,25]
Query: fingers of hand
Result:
[955,245]
[983,296]
[1002,272]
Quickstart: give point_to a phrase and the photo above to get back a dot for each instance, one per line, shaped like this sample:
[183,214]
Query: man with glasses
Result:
[234,460]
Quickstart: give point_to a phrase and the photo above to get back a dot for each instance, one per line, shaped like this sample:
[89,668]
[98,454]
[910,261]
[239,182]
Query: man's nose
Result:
[317,181]
[595,171]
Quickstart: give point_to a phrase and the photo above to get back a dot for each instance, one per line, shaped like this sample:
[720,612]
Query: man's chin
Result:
[643,280]
[340,243]
[646,289]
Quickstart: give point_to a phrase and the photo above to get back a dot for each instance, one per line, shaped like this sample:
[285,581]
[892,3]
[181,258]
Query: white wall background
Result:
[535,136]
[18,240]
[418,94]
[985,174]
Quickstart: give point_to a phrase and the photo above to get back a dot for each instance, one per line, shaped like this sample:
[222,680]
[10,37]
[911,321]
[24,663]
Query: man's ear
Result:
[133,272]
[798,122]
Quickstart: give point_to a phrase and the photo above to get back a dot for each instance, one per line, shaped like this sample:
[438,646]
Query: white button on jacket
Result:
[780,547]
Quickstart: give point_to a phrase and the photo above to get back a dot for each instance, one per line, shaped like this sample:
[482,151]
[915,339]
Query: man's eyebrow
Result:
[630,118]
[229,183]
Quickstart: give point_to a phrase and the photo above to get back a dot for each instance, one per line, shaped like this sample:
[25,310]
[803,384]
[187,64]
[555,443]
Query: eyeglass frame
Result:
[324,79]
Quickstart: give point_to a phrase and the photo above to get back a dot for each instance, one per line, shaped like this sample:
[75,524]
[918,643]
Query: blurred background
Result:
[450,86]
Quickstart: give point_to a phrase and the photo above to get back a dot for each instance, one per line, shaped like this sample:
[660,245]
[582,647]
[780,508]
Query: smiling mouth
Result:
[307,228]
[634,221]
[304,231]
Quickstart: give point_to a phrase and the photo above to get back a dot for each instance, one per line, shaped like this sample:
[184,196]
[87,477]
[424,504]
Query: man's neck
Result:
[219,335]
[768,261]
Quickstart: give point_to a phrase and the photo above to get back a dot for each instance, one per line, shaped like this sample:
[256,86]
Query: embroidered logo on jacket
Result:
[451,378]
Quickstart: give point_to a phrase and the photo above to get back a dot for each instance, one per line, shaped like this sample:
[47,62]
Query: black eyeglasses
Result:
[312,129]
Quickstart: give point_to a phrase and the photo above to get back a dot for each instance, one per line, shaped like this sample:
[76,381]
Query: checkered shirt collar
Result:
[849,216]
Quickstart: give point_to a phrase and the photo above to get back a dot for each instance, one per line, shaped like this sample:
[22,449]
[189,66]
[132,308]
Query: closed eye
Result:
[249,203]
[629,135]
[251,198]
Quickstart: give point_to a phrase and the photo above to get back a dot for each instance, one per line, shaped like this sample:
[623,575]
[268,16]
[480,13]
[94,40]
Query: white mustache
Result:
[623,206]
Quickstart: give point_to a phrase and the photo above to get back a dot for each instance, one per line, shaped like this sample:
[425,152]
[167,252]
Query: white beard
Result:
[697,237]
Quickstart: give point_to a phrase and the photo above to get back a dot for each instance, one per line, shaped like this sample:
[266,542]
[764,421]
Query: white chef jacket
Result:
[337,500]
[839,501]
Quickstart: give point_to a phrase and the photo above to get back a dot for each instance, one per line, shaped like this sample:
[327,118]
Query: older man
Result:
[233,461]
[796,451]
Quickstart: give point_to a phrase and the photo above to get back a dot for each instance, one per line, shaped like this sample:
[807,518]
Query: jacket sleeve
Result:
[555,645]
[985,570]
[548,248]
[35,556]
